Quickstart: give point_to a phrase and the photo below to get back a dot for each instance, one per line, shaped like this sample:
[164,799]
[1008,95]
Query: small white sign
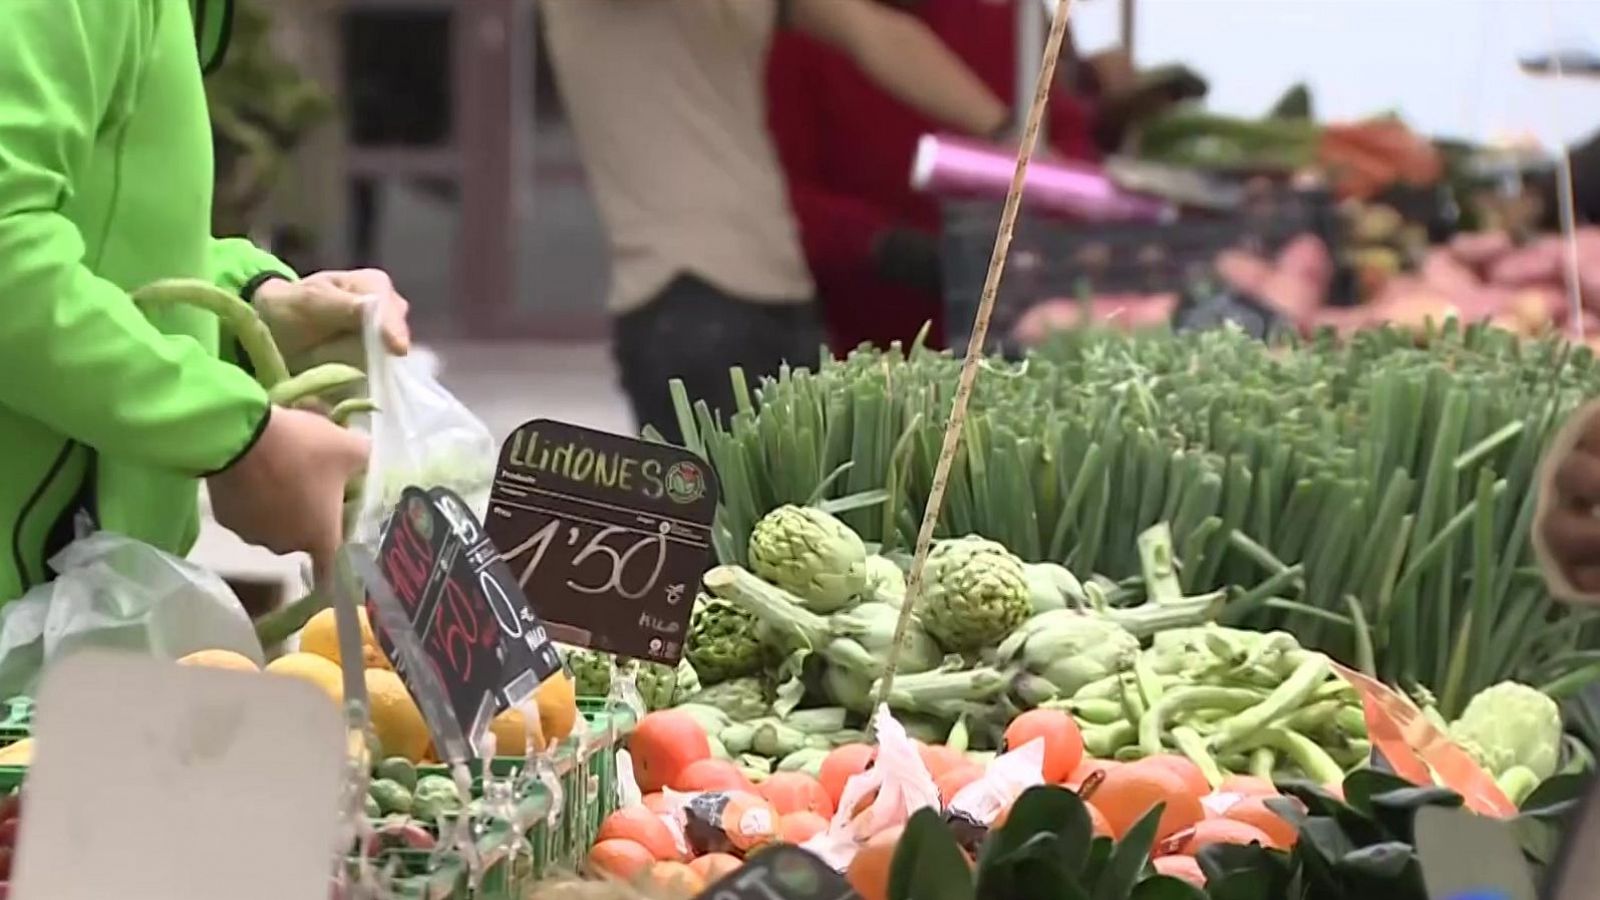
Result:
[153,781]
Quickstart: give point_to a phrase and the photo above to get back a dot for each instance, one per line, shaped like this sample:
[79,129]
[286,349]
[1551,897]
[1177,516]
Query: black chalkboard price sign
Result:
[486,646]
[606,535]
[783,872]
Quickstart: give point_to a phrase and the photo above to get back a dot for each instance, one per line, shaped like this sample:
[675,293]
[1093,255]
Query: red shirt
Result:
[846,148]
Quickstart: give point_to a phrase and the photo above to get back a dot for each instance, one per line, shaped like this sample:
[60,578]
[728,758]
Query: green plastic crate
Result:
[420,877]
[18,721]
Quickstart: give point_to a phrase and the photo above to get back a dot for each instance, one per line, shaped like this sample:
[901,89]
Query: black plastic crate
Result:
[1052,259]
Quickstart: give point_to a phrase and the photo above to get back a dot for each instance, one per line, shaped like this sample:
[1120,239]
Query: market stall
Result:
[1245,608]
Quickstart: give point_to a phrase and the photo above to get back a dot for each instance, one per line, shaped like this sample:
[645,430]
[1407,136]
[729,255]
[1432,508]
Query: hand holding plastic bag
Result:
[421,435]
[116,592]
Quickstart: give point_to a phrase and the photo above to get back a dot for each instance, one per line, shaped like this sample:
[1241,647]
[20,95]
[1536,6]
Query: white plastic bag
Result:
[119,593]
[421,435]
[1003,781]
[902,784]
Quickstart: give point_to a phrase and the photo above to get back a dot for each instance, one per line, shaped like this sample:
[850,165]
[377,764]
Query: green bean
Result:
[1263,762]
[236,315]
[344,409]
[1101,741]
[1099,712]
[1302,751]
[1286,698]
[314,382]
[1179,700]
[1192,745]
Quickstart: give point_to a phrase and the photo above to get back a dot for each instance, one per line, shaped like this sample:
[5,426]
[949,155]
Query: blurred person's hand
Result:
[287,492]
[318,318]
[909,257]
[1567,526]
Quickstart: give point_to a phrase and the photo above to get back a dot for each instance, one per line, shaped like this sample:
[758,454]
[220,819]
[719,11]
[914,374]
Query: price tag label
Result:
[1206,306]
[485,646]
[608,535]
[783,872]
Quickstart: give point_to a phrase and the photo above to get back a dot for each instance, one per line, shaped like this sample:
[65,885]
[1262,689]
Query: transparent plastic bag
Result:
[900,782]
[421,435]
[118,593]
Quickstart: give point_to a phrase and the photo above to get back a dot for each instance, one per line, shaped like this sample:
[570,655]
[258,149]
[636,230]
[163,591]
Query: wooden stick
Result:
[980,331]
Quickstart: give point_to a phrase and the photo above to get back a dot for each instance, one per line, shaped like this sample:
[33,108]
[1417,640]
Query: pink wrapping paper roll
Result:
[954,166]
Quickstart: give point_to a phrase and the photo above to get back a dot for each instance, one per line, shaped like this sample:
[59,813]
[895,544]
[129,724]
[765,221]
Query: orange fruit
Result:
[643,827]
[1088,767]
[1097,821]
[951,782]
[939,759]
[1224,831]
[1128,792]
[1254,811]
[310,667]
[1063,741]
[746,820]
[869,870]
[657,803]
[663,744]
[621,859]
[1248,785]
[713,866]
[710,775]
[673,881]
[799,827]
[840,764]
[1183,867]
[1183,767]
[396,719]
[796,792]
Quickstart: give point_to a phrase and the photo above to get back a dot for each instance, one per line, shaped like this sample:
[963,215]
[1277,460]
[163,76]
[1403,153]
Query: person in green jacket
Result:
[107,412]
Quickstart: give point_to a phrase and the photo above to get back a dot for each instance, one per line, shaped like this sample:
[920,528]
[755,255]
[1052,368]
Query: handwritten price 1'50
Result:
[598,550]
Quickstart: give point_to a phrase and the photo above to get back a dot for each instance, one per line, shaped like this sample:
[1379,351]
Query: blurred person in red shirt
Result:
[872,242]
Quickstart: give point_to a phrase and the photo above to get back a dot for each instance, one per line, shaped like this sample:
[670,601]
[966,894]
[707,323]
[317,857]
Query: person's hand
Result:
[287,492]
[1568,525]
[318,318]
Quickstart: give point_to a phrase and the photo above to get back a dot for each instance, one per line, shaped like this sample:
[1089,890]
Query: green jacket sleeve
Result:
[75,354]
[235,262]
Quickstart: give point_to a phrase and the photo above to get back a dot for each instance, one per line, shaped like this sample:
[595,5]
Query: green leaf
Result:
[928,864]
[1360,785]
[1396,810]
[850,503]
[1045,810]
[1245,871]
[1555,797]
[1129,857]
[1389,869]
[1165,887]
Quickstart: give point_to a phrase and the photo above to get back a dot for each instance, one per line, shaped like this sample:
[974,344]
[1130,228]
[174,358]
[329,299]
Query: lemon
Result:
[313,668]
[510,730]
[395,717]
[220,659]
[321,636]
[558,706]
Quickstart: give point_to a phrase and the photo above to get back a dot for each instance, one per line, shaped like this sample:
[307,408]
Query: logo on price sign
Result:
[782,872]
[607,535]
[475,631]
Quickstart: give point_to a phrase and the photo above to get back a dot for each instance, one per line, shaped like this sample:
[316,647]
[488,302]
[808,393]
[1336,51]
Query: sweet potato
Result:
[1443,272]
[1478,250]
[1538,263]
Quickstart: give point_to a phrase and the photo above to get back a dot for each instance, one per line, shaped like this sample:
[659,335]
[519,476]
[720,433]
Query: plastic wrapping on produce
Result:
[1003,781]
[118,593]
[901,782]
[421,435]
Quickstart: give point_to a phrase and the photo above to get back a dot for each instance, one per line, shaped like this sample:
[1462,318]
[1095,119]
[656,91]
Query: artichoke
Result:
[886,583]
[855,643]
[742,699]
[1508,725]
[723,641]
[1052,587]
[664,686]
[591,670]
[1069,649]
[974,594]
[811,554]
